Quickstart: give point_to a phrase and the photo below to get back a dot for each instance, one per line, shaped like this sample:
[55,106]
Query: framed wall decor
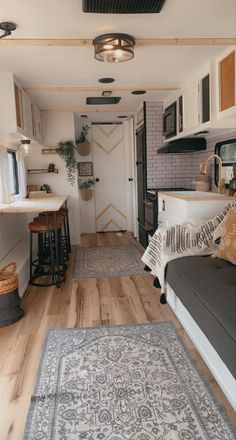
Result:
[85,168]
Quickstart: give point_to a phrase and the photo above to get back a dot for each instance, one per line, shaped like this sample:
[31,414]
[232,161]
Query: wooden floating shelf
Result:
[41,171]
[50,151]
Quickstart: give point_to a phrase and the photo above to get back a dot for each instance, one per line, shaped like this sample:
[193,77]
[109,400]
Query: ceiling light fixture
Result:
[25,144]
[7,27]
[106,80]
[114,48]
[138,92]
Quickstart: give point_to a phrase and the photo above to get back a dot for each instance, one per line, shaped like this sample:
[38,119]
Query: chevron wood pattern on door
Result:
[109,167]
[111,147]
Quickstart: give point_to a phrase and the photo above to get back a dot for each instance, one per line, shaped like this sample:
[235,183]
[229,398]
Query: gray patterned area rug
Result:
[121,383]
[107,261]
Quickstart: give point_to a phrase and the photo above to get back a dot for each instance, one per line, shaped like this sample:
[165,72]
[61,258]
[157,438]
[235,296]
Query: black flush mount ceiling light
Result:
[7,27]
[138,92]
[114,48]
[106,80]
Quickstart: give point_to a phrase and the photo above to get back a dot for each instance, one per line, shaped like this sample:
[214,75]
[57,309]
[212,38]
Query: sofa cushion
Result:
[207,288]
[227,248]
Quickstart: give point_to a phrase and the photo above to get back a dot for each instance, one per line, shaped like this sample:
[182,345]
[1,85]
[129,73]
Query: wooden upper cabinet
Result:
[227,81]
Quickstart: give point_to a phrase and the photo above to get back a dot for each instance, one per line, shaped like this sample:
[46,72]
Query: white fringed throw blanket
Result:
[188,239]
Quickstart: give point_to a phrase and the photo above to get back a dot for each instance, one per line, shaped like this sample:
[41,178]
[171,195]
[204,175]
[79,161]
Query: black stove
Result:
[151,207]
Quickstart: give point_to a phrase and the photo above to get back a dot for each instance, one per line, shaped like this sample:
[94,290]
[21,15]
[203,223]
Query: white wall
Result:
[12,228]
[57,127]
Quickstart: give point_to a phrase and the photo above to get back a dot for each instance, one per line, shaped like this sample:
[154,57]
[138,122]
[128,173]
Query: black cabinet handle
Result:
[130,179]
[139,163]
[97,179]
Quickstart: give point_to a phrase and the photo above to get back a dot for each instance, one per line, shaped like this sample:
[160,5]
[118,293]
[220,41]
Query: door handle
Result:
[97,179]
[130,179]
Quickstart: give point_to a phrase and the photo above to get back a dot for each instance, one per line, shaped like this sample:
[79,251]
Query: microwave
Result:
[169,121]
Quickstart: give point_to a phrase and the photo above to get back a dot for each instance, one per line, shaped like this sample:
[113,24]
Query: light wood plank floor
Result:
[92,302]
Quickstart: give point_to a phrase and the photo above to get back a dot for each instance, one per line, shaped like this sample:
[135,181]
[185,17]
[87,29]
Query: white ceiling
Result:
[75,66]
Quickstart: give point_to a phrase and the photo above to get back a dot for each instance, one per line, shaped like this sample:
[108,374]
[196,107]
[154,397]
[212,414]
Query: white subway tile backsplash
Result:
[174,169]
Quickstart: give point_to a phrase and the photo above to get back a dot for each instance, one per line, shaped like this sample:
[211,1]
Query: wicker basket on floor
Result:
[10,310]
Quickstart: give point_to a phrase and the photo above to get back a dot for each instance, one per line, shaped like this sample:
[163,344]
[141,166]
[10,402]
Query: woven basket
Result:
[8,278]
[83,148]
[86,193]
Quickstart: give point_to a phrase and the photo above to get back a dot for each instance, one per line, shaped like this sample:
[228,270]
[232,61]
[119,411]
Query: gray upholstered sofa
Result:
[206,287]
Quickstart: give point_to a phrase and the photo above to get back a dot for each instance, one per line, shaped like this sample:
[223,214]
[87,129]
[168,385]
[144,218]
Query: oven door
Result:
[150,210]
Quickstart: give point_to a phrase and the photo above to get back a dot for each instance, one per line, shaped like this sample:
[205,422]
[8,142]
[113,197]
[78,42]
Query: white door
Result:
[109,168]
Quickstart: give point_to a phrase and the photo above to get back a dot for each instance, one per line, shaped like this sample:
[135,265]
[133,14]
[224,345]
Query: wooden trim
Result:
[104,149]
[138,42]
[186,42]
[99,88]
[113,129]
[114,223]
[88,110]
[45,42]
[108,207]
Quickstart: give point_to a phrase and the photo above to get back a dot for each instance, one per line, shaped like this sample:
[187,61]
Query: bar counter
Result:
[37,204]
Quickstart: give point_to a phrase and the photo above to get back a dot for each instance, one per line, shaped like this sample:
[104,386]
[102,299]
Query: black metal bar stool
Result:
[65,211]
[50,256]
[62,216]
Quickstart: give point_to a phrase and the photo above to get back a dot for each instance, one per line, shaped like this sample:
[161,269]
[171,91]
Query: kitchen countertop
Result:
[196,195]
[49,203]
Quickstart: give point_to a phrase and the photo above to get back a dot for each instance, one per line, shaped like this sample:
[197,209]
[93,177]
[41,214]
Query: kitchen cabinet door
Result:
[27,113]
[190,107]
[37,121]
[227,81]
[18,104]
[205,99]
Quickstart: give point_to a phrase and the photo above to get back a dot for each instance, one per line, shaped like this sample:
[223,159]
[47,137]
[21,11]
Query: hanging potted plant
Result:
[66,150]
[83,145]
[86,189]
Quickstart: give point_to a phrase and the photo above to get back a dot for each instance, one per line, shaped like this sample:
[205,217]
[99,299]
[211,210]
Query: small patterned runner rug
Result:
[121,383]
[107,261]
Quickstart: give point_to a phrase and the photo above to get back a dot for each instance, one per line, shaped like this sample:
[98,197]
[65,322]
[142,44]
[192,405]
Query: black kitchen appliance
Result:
[151,208]
[184,145]
[169,121]
[141,182]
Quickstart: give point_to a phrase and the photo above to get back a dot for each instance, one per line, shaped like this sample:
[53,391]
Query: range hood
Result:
[184,145]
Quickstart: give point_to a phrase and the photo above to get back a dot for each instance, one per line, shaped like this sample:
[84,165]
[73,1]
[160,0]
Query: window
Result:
[13,172]
[227,152]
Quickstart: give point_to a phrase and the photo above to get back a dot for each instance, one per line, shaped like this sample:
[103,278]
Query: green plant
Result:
[66,151]
[83,134]
[85,184]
